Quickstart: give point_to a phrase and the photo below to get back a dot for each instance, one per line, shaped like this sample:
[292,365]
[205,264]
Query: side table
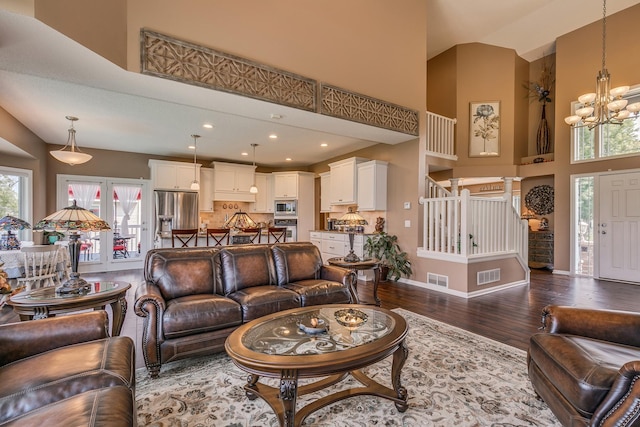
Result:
[45,302]
[365,264]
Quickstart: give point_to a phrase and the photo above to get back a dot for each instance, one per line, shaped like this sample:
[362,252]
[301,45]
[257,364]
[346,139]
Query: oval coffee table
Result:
[276,346]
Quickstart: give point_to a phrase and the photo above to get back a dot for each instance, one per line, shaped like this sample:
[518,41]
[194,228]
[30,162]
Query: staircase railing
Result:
[469,226]
[434,190]
[441,136]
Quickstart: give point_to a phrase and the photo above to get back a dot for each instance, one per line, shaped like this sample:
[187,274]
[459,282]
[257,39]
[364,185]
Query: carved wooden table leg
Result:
[399,357]
[252,380]
[119,309]
[288,395]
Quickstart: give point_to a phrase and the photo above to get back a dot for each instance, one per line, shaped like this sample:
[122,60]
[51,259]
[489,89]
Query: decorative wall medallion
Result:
[166,57]
[347,105]
[539,199]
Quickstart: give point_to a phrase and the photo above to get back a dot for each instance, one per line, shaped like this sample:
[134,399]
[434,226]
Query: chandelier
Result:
[72,155]
[606,105]
[195,185]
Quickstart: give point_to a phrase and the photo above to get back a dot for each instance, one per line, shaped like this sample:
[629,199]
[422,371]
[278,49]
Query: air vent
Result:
[438,280]
[488,276]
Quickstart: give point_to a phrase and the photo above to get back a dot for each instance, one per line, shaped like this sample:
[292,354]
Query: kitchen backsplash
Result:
[225,210]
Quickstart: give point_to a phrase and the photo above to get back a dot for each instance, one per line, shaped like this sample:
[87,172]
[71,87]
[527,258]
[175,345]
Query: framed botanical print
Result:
[484,129]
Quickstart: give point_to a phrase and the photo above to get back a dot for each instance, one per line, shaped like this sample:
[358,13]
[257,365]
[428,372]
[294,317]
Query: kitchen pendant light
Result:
[195,185]
[72,156]
[254,189]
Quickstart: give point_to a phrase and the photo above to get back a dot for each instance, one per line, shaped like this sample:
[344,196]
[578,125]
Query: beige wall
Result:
[98,25]
[576,70]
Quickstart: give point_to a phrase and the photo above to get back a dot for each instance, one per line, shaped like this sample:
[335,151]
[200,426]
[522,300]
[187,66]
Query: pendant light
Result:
[254,189]
[73,155]
[605,106]
[195,185]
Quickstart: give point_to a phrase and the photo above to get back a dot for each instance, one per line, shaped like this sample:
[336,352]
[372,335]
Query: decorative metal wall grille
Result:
[166,57]
[169,58]
[359,108]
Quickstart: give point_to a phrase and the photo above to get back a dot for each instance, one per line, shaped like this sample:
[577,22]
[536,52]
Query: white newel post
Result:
[454,186]
[464,216]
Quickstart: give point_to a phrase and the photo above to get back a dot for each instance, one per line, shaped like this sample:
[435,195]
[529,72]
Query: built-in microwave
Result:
[286,208]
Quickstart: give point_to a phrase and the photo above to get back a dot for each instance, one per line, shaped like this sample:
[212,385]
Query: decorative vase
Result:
[543,138]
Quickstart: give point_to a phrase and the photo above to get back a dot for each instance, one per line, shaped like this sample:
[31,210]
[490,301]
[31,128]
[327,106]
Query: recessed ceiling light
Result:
[324,144]
[244,153]
[276,116]
[192,147]
[273,136]
[207,126]
[288,159]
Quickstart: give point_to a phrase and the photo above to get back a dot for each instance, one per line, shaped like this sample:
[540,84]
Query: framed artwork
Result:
[484,129]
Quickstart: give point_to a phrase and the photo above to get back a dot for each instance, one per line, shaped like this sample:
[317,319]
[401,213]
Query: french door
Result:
[125,205]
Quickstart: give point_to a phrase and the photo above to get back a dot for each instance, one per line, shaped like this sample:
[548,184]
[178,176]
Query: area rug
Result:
[454,378]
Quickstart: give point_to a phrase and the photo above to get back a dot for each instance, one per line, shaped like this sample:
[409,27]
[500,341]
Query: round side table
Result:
[365,264]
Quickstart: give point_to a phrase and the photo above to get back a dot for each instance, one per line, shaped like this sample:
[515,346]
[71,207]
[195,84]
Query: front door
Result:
[619,227]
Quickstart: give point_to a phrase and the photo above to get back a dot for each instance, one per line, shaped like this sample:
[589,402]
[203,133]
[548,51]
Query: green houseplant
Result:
[385,247]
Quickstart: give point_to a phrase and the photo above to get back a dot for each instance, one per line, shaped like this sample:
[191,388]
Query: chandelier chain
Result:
[604,33]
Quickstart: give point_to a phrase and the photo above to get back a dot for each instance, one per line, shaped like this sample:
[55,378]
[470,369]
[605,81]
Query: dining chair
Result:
[184,236]
[279,234]
[64,261]
[254,234]
[120,248]
[220,236]
[40,266]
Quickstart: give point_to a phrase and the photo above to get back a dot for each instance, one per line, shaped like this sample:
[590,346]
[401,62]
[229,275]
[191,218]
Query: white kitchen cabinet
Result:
[232,182]
[334,245]
[315,237]
[264,198]
[344,181]
[168,175]
[325,192]
[285,185]
[372,186]
[206,190]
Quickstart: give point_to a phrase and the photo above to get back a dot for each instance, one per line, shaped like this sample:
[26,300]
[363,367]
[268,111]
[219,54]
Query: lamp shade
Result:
[240,220]
[73,218]
[9,223]
[351,219]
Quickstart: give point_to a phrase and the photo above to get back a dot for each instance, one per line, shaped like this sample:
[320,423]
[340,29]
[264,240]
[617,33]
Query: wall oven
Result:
[286,208]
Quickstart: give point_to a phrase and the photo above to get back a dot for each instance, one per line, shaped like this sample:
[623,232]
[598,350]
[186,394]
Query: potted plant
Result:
[394,262]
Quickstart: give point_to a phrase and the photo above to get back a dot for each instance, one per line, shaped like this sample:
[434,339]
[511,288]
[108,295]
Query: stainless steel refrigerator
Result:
[175,210]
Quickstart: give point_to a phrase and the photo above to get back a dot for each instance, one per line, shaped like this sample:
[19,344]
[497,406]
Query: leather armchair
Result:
[66,370]
[585,365]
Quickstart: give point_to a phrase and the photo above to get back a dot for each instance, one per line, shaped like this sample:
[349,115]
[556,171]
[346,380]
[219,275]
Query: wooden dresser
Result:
[541,249]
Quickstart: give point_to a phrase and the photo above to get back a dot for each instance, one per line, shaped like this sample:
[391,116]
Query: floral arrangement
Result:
[542,88]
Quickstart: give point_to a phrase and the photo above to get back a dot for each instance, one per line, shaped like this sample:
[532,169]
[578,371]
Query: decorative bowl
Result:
[350,317]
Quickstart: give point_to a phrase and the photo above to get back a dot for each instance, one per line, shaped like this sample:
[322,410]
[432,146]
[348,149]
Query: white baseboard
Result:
[459,293]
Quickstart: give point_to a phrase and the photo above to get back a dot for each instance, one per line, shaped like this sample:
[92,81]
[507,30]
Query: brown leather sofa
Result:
[586,366]
[66,371]
[193,298]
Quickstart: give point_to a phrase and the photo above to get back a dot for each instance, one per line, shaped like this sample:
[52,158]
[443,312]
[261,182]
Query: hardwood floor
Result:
[509,316]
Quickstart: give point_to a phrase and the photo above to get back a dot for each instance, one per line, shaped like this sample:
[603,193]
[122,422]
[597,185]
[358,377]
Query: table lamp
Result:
[351,219]
[9,223]
[240,220]
[73,219]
